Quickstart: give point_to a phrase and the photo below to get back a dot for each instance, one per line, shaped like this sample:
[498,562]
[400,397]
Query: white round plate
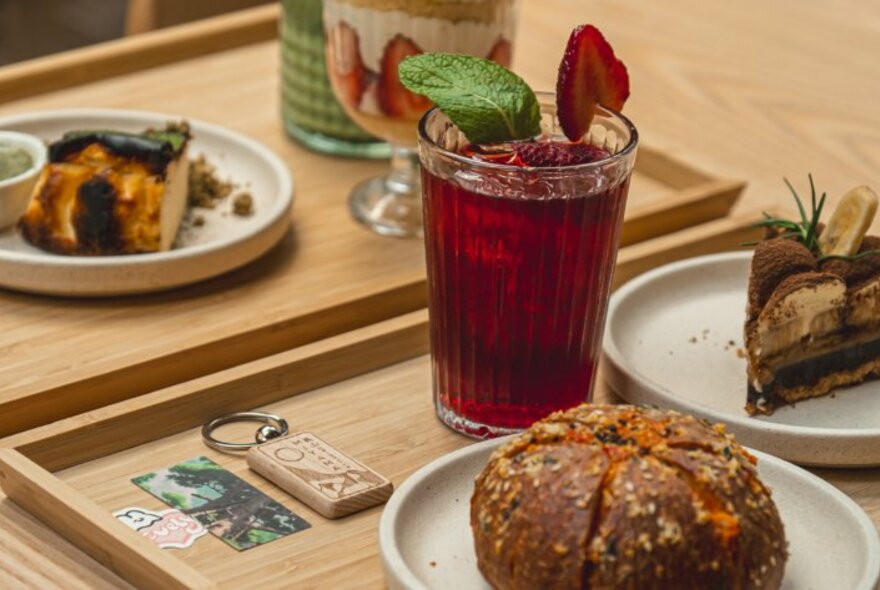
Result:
[425,536]
[668,343]
[223,243]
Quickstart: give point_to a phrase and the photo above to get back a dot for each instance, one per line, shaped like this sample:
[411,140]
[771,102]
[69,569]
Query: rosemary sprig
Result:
[806,231]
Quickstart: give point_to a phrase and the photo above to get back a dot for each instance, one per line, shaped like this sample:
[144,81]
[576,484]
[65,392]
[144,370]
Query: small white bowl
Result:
[15,192]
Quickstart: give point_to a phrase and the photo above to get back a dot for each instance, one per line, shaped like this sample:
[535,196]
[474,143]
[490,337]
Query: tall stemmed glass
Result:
[366,41]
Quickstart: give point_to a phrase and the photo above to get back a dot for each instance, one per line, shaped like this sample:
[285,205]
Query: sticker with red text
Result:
[169,529]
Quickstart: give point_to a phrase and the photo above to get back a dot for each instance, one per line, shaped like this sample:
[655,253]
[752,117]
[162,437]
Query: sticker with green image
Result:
[225,504]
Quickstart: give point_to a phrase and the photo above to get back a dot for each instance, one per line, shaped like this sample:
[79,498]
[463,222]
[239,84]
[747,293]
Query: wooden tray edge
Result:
[92,529]
[189,404]
[138,52]
[75,394]
[38,407]
[192,403]
[687,207]
[707,238]
[24,464]
[659,164]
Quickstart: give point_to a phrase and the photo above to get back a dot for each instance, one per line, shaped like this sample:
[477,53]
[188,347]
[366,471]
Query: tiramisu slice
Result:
[813,315]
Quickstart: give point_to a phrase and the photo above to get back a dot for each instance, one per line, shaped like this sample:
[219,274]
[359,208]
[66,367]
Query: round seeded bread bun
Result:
[604,496]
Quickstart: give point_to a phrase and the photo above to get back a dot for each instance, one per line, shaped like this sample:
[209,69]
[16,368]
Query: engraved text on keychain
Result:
[305,466]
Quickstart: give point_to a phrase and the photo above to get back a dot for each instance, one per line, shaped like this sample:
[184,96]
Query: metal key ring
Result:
[273,427]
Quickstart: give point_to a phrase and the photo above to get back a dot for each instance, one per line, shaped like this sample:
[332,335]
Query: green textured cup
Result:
[311,113]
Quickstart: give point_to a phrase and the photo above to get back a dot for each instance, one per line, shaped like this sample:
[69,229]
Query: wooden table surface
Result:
[326,262]
[329,275]
[745,89]
[400,436]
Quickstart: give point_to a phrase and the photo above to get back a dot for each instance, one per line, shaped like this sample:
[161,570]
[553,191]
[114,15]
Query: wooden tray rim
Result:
[27,459]
[138,52]
[696,197]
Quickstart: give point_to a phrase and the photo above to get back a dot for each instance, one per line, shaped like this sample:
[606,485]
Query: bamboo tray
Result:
[65,357]
[366,391]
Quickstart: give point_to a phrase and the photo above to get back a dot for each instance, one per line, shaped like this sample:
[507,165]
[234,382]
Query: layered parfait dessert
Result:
[524,196]
[311,112]
[368,39]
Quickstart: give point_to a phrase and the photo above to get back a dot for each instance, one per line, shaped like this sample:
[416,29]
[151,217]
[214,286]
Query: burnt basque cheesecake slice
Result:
[813,312]
[108,192]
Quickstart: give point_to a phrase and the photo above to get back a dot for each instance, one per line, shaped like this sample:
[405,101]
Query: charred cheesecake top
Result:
[154,149]
[110,192]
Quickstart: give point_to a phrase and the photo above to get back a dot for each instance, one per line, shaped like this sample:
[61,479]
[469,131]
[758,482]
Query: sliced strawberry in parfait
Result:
[347,67]
[394,99]
[501,52]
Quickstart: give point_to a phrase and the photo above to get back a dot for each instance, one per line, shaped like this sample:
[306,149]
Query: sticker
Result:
[169,529]
[228,506]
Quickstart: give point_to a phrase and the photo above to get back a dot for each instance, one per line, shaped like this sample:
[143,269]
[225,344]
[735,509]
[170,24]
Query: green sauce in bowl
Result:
[13,161]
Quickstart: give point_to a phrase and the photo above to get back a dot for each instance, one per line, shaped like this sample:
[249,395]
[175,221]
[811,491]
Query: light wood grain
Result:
[94,530]
[186,405]
[106,435]
[118,426]
[328,277]
[688,206]
[384,418]
[147,15]
[747,89]
[125,56]
[707,238]
[33,556]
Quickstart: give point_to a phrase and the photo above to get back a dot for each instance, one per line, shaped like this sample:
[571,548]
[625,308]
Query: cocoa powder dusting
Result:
[856,272]
[773,261]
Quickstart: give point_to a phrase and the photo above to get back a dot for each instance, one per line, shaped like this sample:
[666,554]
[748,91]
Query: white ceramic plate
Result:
[224,243]
[425,537]
[668,343]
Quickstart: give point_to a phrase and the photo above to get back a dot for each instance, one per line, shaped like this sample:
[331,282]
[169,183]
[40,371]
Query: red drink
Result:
[519,268]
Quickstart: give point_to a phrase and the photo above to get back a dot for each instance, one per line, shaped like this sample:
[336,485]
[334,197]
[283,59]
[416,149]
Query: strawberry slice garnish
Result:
[501,52]
[589,75]
[394,99]
[346,66]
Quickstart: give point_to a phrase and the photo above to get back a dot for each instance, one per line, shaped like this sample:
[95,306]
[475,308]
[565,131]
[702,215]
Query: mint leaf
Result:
[487,102]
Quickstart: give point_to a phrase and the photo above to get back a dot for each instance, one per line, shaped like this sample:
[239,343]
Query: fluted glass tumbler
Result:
[519,273]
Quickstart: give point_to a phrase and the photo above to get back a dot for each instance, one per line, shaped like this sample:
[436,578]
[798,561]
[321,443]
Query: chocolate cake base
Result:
[816,377]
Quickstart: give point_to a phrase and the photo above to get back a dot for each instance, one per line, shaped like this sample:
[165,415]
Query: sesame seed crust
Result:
[604,496]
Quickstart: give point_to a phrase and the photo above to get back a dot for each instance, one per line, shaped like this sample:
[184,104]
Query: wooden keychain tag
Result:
[318,474]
